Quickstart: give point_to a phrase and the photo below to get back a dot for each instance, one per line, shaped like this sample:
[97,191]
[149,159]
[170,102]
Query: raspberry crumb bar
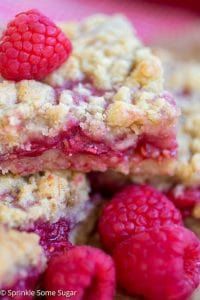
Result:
[104,108]
[49,204]
[22,262]
[184,80]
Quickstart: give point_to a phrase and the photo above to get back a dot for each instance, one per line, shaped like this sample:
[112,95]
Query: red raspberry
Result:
[162,263]
[184,198]
[86,270]
[133,210]
[32,47]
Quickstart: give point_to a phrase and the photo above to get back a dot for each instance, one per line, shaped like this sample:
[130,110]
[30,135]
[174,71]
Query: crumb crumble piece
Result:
[47,197]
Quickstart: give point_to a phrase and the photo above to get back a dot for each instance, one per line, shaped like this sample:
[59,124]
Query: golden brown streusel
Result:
[107,50]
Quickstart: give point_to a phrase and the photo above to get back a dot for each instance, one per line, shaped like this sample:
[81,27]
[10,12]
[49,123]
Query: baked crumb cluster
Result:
[20,253]
[183,79]
[43,197]
[111,86]
[107,51]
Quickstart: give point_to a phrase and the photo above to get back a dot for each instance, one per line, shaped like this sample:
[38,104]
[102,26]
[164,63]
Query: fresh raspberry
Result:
[31,47]
[86,270]
[135,209]
[162,263]
[184,198]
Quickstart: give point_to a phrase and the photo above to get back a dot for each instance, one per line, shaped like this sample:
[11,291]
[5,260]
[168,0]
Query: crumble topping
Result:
[107,50]
[48,197]
[111,86]
[20,252]
[26,92]
[83,231]
[8,94]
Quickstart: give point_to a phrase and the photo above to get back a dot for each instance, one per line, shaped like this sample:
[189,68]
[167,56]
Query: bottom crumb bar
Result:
[49,204]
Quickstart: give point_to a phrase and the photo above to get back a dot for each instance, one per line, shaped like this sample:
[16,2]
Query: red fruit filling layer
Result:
[53,236]
[75,150]
[75,141]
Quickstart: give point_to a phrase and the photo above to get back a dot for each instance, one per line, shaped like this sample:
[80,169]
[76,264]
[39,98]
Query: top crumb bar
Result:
[105,108]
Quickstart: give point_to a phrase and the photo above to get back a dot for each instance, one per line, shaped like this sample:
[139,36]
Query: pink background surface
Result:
[151,21]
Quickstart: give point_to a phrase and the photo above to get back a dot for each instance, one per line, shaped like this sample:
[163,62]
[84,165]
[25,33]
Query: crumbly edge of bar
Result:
[182,77]
[82,233]
[47,196]
[19,253]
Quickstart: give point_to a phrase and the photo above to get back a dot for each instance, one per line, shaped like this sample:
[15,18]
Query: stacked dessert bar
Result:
[104,109]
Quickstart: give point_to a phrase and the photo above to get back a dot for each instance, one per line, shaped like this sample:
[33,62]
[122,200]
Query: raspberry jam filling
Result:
[53,236]
[75,141]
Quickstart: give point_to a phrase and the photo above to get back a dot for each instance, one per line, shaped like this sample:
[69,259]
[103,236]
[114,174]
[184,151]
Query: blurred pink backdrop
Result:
[151,20]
